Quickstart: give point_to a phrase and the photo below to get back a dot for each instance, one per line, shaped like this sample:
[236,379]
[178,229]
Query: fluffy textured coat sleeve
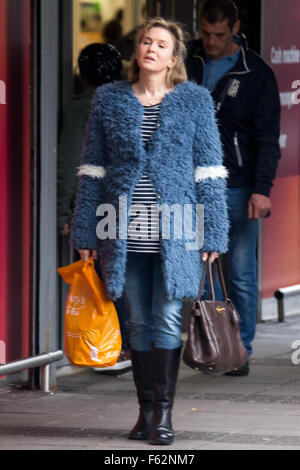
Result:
[210,177]
[91,172]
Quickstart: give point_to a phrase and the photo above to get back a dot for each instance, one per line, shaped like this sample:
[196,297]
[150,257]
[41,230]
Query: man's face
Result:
[218,38]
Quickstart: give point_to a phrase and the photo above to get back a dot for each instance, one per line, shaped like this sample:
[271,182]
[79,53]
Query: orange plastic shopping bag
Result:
[92,332]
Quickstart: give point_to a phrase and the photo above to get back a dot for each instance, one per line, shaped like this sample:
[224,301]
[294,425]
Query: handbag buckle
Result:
[220,309]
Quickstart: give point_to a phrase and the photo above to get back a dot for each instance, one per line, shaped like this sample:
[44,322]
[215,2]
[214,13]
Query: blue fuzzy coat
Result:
[183,162]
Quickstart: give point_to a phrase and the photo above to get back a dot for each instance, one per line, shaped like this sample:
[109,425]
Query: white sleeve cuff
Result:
[203,173]
[92,170]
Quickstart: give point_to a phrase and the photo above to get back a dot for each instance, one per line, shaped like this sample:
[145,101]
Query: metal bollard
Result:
[45,378]
[281,294]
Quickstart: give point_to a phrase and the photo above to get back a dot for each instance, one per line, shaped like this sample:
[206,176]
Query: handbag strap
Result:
[208,267]
[221,277]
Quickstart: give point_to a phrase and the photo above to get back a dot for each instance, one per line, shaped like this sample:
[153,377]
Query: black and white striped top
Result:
[143,227]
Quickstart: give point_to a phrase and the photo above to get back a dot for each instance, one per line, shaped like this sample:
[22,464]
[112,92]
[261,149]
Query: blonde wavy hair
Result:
[177,74]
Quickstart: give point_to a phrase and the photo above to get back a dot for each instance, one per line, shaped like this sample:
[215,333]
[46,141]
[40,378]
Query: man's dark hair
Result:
[214,11]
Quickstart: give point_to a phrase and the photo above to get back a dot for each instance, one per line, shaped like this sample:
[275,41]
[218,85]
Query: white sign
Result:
[2,352]
[2,92]
[285,56]
[283,141]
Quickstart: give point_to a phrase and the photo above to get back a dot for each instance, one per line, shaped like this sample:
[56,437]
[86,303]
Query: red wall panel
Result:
[281,233]
[15,179]
[281,246]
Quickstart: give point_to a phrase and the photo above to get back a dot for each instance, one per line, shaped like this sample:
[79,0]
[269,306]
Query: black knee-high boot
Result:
[165,372]
[142,375]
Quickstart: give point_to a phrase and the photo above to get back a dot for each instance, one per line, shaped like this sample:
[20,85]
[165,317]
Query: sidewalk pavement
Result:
[92,411]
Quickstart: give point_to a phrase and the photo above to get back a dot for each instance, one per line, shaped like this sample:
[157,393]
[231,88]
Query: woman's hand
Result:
[212,256]
[85,255]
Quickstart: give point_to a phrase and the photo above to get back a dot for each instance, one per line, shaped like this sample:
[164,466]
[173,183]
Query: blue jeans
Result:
[153,319]
[241,263]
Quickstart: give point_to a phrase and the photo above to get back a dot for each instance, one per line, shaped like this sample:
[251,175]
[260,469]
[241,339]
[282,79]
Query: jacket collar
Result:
[169,105]
[240,68]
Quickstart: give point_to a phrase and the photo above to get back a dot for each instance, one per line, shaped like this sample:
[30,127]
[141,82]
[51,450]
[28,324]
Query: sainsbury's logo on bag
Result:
[75,304]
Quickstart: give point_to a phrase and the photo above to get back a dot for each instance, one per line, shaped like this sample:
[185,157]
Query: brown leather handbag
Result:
[214,344]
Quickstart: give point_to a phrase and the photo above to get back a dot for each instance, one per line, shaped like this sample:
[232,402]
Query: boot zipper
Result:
[237,150]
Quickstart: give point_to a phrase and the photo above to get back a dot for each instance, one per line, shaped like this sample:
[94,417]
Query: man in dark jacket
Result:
[247,104]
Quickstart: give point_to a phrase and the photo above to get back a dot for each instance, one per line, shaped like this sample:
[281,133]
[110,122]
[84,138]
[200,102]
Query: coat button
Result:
[158,197]
[158,124]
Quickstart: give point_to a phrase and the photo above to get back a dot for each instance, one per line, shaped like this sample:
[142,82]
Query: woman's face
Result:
[155,51]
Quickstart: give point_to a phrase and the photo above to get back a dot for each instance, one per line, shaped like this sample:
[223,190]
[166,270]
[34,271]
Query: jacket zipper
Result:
[237,150]
[223,95]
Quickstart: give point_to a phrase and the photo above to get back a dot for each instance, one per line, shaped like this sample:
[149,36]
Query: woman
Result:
[152,139]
